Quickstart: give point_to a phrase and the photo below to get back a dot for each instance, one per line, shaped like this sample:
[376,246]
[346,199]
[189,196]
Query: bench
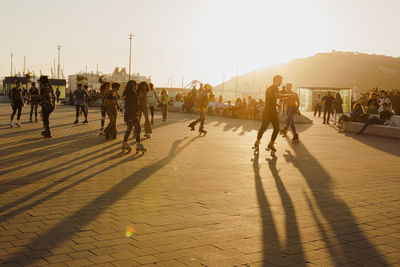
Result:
[380,130]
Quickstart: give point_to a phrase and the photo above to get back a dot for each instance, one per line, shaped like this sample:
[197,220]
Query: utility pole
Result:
[58,66]
[130,54]
[54,68]
[11,54]
[24,65]
[254,83]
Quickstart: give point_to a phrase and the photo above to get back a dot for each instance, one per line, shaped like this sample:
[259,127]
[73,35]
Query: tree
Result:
[101,79]
[81,78]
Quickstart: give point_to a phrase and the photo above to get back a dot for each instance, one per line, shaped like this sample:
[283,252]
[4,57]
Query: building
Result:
[92,79]
[307,96]
[9,82]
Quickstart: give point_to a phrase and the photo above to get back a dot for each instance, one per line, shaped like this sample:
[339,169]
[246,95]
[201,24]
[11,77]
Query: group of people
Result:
[332,105]
[43,96]
[378,110]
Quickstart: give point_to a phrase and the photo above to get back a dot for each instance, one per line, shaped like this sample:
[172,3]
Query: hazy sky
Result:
[196,39]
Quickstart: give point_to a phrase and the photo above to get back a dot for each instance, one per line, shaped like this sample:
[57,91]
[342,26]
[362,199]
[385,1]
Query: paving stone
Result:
[195,201]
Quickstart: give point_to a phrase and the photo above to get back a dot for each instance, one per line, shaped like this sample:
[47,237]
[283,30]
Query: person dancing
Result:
[17,102]
[270,114]
[102,90]
[152,101]
[201,108]
[111,103]
[33,100]
[48,103]
[291,103]
[131,115]
[142,90]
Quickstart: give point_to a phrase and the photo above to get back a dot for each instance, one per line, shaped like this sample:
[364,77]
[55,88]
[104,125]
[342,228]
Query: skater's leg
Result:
[138,129]
[202,120]
[290,122]
[319,111]
[329,116]
[36,107]
[275,125]
[152,113]
[103,116]
[129,127]
[14,108]
[84,110]
[19,113]
[113,119]
[31,112]
[263,128]
[77,112]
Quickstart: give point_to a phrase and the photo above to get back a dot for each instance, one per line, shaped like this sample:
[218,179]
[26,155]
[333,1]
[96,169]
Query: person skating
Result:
[142,90]
[112,106]
[201,108]
[291,103]
[131,116]
[164,103]
[80,96]
[33,100]
[48,103]
[17,102]
[328,101]
[317,105]
[105,86]
[152,101]
[58,93]
[270,114]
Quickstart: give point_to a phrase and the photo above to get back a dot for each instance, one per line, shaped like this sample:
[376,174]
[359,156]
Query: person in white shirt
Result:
[384,99]
[318,105]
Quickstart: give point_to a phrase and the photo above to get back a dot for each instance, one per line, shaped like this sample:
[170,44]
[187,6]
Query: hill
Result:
[336,69]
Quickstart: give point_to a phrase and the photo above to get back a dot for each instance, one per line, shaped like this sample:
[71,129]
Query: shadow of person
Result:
[269,233]
[94,208]
[320,183]
[293,246]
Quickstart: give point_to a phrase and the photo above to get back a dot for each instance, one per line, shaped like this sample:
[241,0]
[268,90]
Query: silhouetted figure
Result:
[17,102]
[33,100]
[291,104]
[328,101]
[80,96]
[48,102]
[58,93]
[104,87]
[152,101]
[112,106]
[201,108]
[164,100]
[142,91]
[317,105]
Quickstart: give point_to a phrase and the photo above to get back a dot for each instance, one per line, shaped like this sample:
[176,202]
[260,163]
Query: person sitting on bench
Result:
[384,116]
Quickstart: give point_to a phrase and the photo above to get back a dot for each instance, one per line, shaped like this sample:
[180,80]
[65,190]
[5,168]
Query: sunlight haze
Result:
[199,40]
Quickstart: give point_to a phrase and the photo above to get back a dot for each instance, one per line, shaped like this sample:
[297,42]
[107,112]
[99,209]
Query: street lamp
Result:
[58,66]
[130,54]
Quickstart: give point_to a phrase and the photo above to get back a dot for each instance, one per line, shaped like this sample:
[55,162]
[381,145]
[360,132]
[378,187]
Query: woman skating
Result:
[142,91]
[111,104]
[164,103]
[131,116]
[152,101]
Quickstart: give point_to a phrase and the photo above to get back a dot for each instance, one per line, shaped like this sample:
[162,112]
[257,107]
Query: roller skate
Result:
[126,147]
[256,147]
[192,126]
[18,124]
[47,133]
[271,148]
[11,124]
[295,139]
[101,131]
[76,122]
[30,119]
[202,131]
[284,132]
[140,148]
[147,135]
[85,122]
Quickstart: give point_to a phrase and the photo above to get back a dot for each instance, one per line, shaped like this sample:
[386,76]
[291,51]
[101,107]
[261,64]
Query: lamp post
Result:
[58,66]
[12,54]
[130,54]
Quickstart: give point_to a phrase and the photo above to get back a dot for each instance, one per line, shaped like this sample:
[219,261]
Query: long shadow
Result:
[319,181]
[93,209]
[37,129]
[293,239]
[269,232]
[385,144]
[55,183]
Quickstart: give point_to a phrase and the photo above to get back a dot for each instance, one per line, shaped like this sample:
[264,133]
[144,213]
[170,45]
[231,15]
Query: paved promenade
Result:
[76,200]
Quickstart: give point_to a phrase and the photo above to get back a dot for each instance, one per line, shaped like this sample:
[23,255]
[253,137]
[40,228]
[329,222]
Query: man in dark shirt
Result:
[80,97]
[328,100]
[270,114]
[17,102]
[384,116]
[34,100]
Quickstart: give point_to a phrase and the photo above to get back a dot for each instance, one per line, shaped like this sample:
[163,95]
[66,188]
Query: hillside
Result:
[336,69]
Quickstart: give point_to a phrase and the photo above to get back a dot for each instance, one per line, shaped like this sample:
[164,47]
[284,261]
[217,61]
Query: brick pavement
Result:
[331,200]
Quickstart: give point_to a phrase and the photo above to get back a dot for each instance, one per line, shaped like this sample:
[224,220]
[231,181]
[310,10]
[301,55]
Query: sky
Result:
[204,40]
